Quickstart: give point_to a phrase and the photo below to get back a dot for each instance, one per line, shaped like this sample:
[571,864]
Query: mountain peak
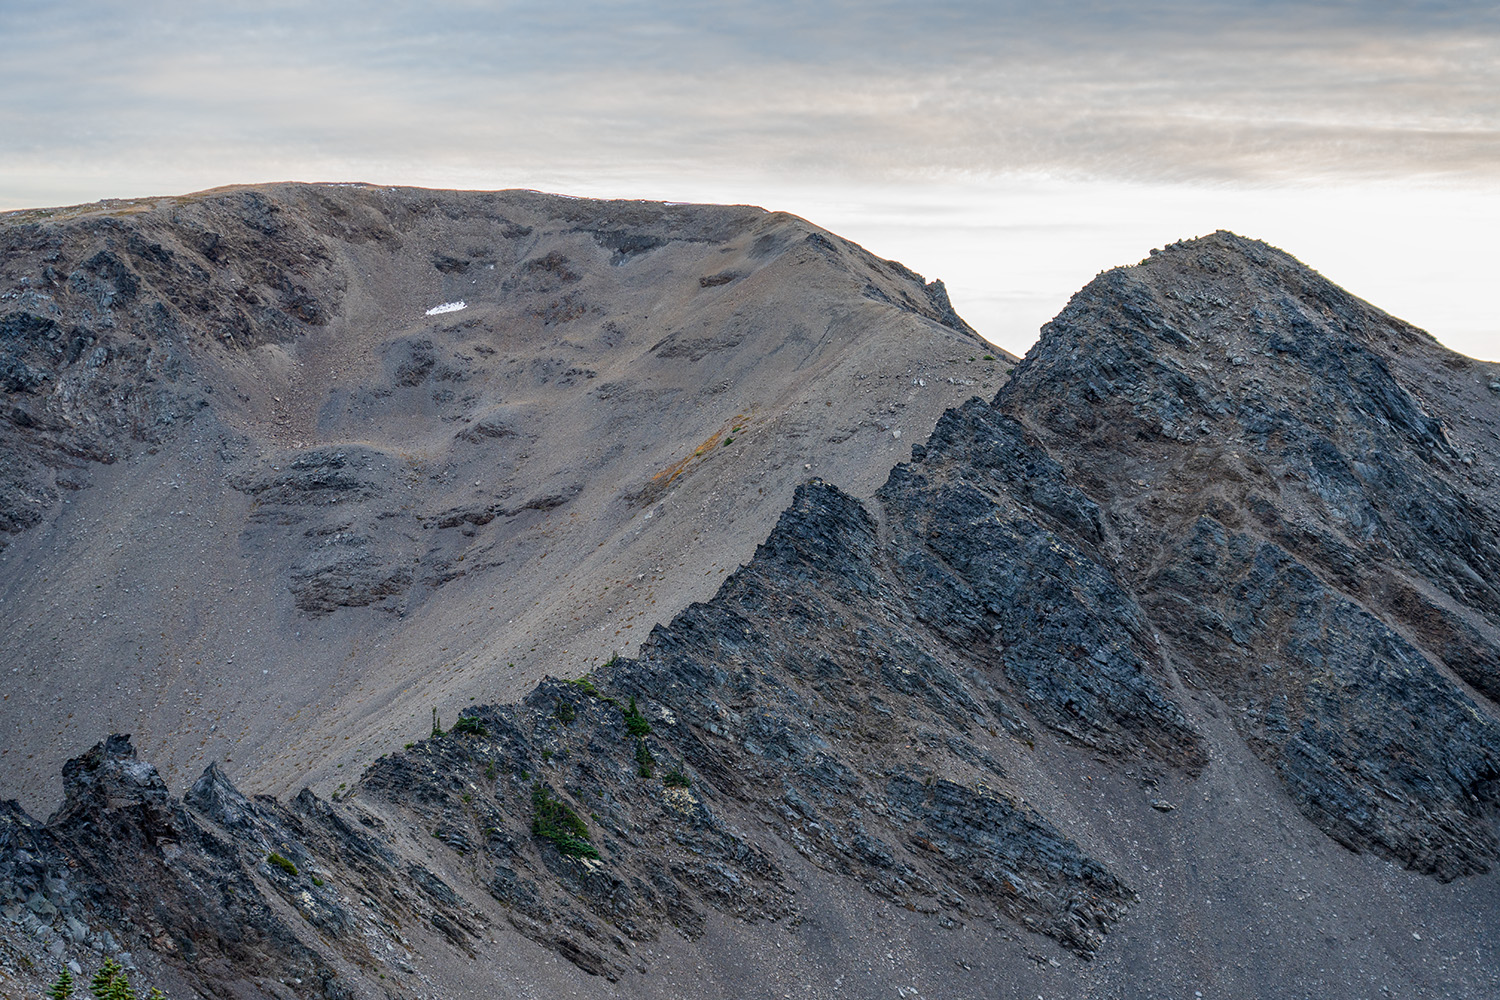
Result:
[1225,296]
[1227,335]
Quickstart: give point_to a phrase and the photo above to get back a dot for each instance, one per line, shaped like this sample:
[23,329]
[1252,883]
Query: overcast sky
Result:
[1013,149]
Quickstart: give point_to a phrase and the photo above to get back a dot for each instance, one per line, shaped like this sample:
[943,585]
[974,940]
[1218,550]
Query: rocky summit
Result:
[1173,669]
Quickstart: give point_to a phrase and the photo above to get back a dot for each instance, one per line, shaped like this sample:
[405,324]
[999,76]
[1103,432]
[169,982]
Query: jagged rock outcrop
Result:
[1222,518]
[1287,495]
[123,868]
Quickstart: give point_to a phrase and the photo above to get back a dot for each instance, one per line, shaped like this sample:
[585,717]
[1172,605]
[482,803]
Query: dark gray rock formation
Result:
[1287,494]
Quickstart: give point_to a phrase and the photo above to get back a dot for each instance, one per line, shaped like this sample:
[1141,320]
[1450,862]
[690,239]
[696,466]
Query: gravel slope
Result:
[263,508]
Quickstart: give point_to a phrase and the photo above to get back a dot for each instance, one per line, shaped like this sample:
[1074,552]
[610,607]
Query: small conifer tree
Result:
[119,988]
[99,985]
[63,988]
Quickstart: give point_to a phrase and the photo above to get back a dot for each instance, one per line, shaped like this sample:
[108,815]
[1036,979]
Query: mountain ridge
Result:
[1181,614]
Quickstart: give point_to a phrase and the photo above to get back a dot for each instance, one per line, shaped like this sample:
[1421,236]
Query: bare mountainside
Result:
[268,494]
[1170,671]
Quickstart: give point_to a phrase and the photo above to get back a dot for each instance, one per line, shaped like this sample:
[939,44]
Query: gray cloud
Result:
[1205,90]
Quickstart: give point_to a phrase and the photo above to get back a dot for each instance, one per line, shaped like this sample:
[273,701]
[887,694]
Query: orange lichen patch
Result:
[665,477]
[671,472]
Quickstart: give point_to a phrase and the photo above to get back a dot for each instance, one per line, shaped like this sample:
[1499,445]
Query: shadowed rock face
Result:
[1226,534]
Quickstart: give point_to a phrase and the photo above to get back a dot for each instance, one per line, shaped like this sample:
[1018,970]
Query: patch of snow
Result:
[448,307]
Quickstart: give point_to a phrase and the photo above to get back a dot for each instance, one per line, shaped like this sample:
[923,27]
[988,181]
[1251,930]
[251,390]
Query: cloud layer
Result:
[957,104]
[1163,91]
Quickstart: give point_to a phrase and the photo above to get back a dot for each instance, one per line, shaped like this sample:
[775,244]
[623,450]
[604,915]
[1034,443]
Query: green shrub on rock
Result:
[285,864]
[470,725]
[635,722]
[553,820]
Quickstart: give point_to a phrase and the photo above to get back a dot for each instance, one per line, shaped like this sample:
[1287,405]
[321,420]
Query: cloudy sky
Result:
[1012,148]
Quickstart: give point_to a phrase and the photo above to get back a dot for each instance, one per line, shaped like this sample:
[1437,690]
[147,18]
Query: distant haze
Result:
[1013,149]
